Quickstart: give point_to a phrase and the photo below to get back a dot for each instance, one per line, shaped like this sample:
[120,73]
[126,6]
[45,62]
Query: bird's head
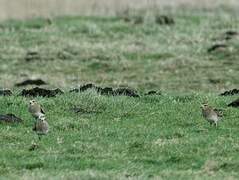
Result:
[42,117]
[32,102]
[204,106]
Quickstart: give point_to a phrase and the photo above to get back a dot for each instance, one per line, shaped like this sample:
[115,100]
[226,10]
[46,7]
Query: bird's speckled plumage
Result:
[210,114]
[41,127]
[35,109]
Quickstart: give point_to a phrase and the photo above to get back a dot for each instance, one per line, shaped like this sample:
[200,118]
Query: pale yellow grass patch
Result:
[33,8]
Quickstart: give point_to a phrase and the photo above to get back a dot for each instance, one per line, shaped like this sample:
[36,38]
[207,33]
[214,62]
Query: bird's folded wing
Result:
[219,112]
[42,111]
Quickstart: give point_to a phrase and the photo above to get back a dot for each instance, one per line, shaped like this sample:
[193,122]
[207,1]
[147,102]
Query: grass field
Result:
[152,137]
[139,138]
[112,52]
[22,9]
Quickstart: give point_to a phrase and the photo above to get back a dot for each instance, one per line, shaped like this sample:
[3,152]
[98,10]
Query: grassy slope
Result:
[160,136]
[112,52]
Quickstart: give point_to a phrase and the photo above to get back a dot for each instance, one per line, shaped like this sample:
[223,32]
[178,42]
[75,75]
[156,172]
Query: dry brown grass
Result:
[33,8]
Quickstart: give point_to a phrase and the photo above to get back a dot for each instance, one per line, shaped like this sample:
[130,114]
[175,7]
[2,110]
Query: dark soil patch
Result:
[10,118]
[5,92]
[37,82]
[234,103]
[134,19]
[230,167]
[230,93]
[108,90]
[86,87]
[126,92]
[151,93]
[217,47]
[138,20]
[32,56]
[164,20]
[214,81]
[230,35]
[126,19]
[41,92]
[32,166]
[159,19]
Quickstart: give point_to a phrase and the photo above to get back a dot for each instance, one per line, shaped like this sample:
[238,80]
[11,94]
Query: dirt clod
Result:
[37,82]
[150,93]
[10,118]
[108,90]
[41,92]
[230,92]
[234,103]
[217,47]
[32,56]
[214,81]
[164,20]
[5,92]
[230,35]
[126,92]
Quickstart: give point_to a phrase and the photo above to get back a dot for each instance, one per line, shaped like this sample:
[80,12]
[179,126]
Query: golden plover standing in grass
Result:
[210,114]
[35,109]
[41,126]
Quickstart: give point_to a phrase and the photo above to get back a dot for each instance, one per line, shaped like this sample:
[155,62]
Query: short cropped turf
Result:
[110,51]
[151,137]
[121,137]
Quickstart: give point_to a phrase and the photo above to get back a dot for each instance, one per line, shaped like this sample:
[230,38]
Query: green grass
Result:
[111,52]
[120,137]
[148,137]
